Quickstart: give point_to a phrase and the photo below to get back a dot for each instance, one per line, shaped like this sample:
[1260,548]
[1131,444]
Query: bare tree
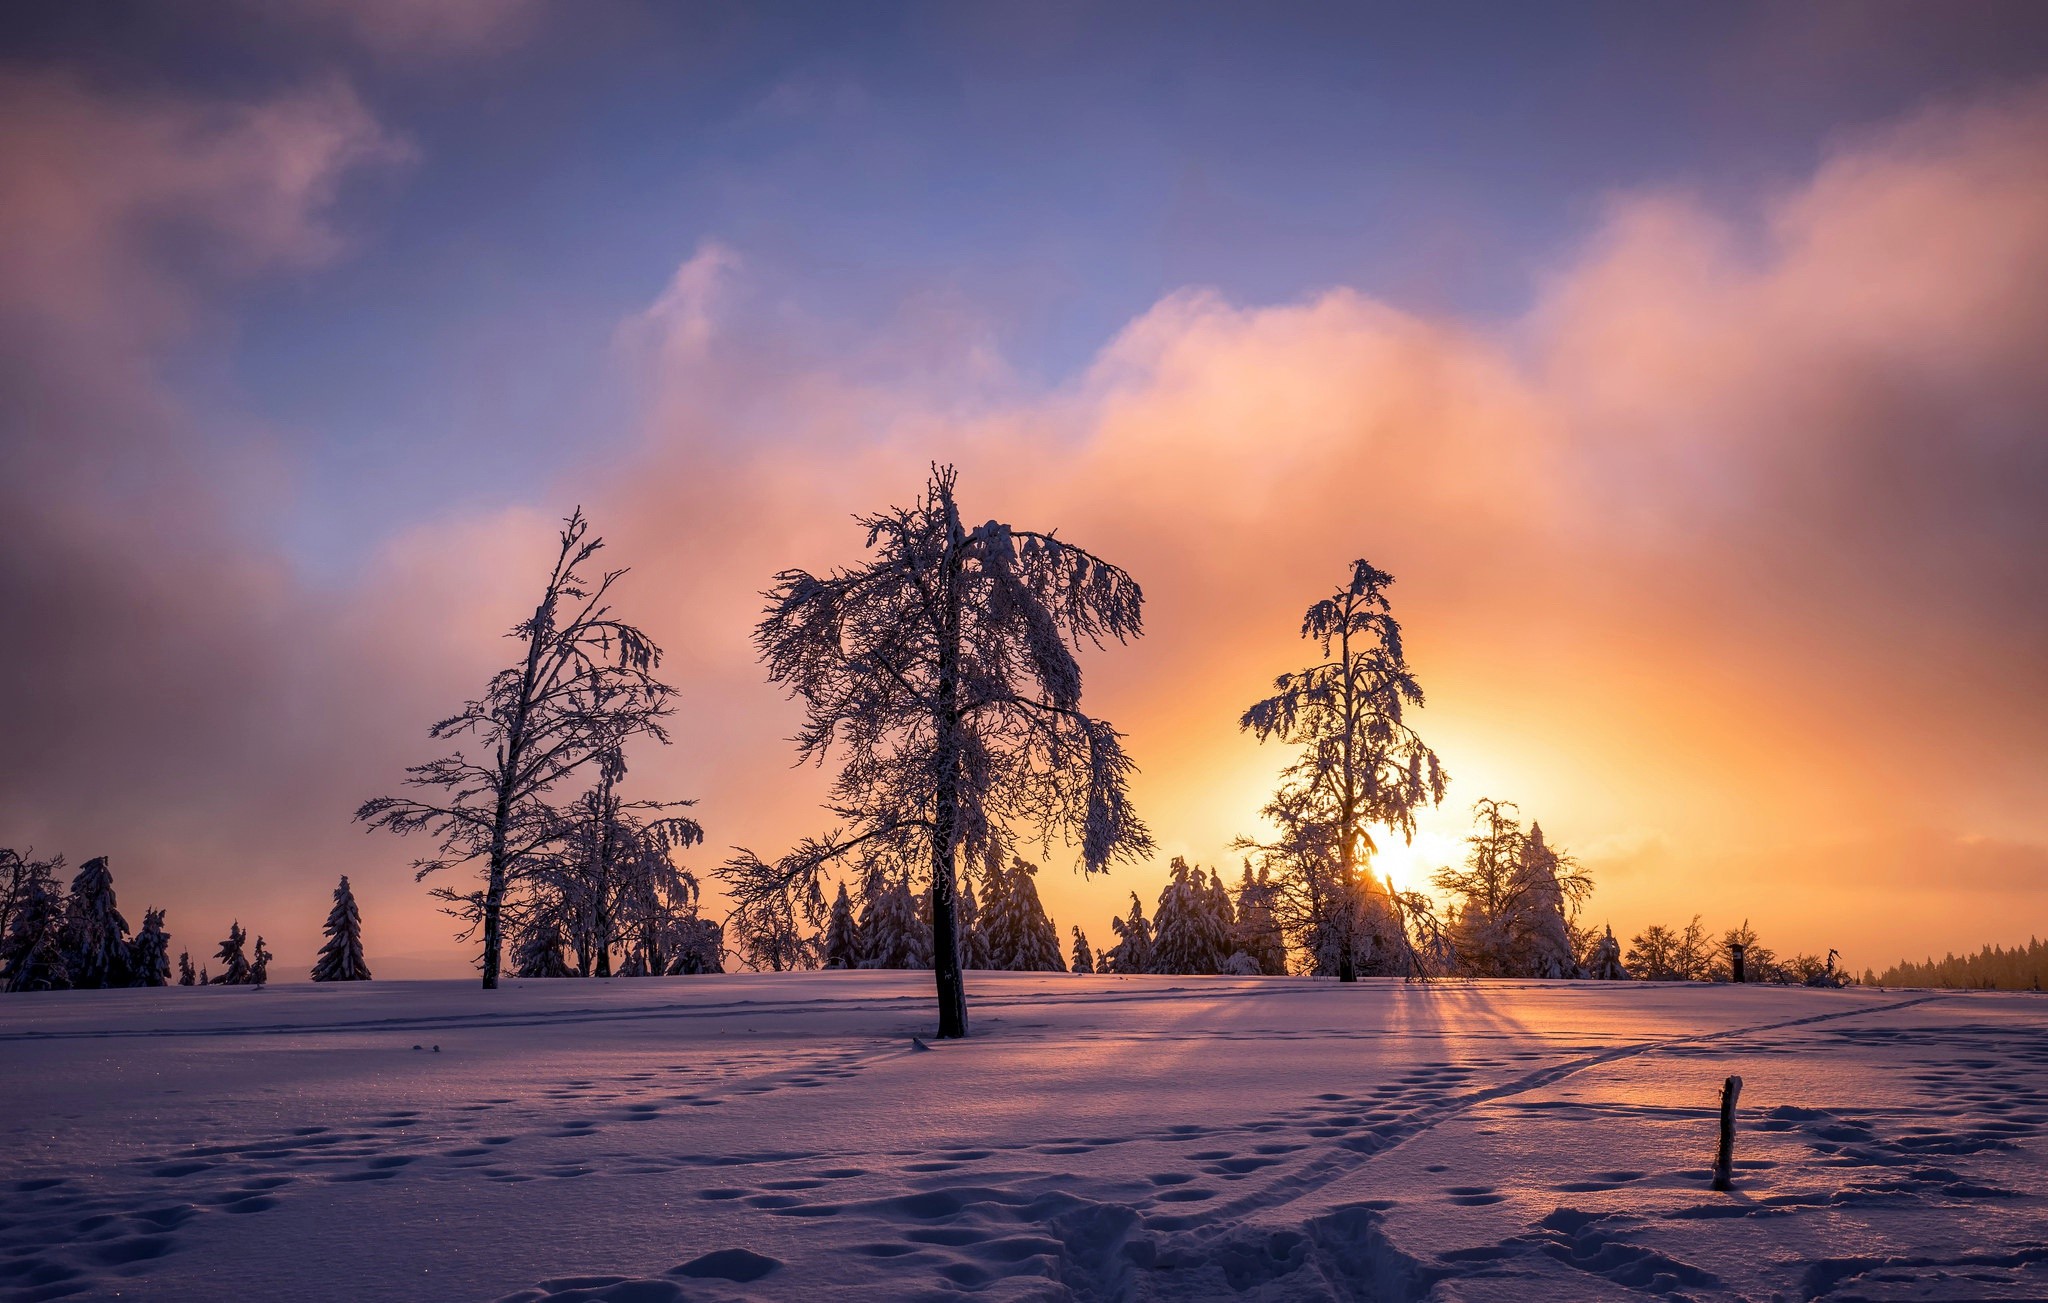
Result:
[1361,765]
[583,686]
[945,669]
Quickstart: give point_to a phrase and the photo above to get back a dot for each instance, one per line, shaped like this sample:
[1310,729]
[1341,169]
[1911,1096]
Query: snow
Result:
[779,1137]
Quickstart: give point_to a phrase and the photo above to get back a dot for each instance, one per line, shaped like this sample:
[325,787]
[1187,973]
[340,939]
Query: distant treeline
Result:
[1994,968]
[54,940]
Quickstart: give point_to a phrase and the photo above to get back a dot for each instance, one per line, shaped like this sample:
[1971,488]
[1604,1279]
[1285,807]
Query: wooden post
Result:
[1724,1158]
[1735,953]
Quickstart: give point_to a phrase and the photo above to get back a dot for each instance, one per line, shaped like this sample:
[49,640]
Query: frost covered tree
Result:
[234,962]
[842,938]
[259,963]
[1692,957]
[1361,766]
[945,669]
[614,876]
[186,977]
[1084,958]
[892,934]
[1515,898]
[973,934]
[1021,938]
[21,877]
[341,958]
[1259,938]
[95,944]
[1133,951]
[1188,934]
[694,946]
[1652,954]
[659,923]
[769,936]
[149,958]
[1605,965]
[541,951]
[582,687]
[31,949]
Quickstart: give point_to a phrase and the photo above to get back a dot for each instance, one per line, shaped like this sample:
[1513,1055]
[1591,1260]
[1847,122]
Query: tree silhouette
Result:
[945,670]
[341,958]
[583,686]
[1361,765]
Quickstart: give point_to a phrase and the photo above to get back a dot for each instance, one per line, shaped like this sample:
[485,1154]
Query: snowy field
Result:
[781,1137]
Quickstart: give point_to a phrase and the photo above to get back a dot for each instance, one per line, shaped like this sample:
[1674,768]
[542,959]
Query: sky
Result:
[1681,362]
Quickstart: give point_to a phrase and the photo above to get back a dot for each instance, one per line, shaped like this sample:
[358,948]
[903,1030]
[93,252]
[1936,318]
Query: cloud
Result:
[160,678]
[1735,535]
[1726,556]
[401,31]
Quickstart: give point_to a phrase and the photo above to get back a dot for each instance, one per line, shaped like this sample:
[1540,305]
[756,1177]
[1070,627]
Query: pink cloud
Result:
[1731,548]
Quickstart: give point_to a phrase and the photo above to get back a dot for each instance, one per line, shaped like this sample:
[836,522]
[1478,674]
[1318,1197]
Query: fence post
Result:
[1724,1158]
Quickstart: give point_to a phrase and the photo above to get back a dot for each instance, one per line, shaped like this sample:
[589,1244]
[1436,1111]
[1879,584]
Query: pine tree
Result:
[1084,958]
[1133,951]
[1184,937]
[96,945]
[1258,937]
[1039,951]
[1606,963]
[973,933]
[234,963]
[341,959]
[32,952]
[185,975]
[259,964]
[150,956]
[896,937]
[1020,936]
[540,952]
[204,980]
[842,937]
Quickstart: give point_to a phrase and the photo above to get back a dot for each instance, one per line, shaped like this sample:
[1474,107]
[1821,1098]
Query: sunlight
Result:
[1410,866]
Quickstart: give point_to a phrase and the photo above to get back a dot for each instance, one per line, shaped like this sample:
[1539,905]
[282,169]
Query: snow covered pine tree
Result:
[1021,939]
[341,959]
[149,959]
[842,938]
[186,977]
[259,963]
[234,963]
[1084,958]
[946,668]
[95,938]
[1360,763]
[1133,951]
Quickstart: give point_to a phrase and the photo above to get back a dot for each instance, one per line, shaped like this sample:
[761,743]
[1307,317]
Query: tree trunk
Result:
[946,815]
[494,899]
[946,944]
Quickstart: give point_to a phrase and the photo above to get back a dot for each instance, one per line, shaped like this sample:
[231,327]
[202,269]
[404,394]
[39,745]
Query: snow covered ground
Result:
[781,1137]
